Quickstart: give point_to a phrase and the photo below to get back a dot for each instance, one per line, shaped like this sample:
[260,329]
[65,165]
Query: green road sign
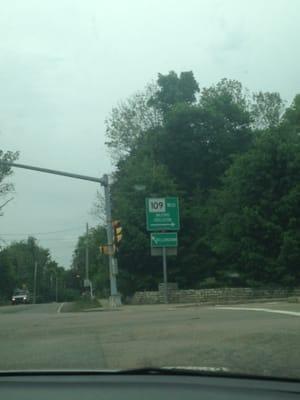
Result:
[168,239]
[162,214]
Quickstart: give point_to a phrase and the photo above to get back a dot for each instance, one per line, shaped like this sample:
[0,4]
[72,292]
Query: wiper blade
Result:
[204,371]
[220,372]
[174,371]
[217,372]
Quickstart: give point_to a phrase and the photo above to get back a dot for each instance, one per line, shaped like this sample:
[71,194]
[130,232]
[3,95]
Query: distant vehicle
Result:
[20,296]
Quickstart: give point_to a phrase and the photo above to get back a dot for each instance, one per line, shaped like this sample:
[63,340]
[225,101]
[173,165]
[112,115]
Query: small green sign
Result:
[168,239]
[162,214]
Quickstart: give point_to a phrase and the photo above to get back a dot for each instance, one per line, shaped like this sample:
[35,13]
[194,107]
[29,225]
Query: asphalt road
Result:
[250,341]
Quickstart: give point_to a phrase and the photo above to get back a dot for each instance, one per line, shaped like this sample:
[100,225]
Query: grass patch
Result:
[84,304]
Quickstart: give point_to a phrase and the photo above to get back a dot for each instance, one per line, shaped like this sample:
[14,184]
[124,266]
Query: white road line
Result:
[60,307]
[269,310]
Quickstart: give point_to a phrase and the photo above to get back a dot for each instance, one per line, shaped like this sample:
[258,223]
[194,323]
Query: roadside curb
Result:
[60,308]
[101,309]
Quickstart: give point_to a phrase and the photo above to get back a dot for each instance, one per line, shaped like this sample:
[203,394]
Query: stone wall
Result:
[212,296]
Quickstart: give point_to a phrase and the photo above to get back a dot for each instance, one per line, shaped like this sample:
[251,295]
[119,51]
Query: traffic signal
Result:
[104,249]
[118,233]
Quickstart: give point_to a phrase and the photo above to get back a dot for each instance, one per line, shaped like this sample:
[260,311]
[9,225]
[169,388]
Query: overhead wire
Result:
[41,233]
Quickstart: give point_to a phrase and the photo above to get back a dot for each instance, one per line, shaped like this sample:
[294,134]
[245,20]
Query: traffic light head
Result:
[118,233]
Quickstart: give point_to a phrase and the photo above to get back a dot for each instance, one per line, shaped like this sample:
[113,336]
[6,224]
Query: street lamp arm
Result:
[103,181]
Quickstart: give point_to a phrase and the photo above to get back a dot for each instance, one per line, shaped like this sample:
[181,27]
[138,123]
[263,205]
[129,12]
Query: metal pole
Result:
[87,253]
[54,172]
[34,282]
[115,299]
[87,261]
[56,288]
[91,290]
[165,274]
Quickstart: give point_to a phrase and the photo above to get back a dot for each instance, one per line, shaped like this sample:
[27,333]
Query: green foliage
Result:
[98,265]
[232,158]
[291,117]
[17,263]
[7,277]
[267,110]
[174,89]
[258,211]
[84,303]
[197,144]
[134,257]
[17,260]
[6,171]
[129,121]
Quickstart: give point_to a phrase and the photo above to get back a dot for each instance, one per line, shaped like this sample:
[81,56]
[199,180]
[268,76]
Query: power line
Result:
[59,244]
[60,239]
[40,233]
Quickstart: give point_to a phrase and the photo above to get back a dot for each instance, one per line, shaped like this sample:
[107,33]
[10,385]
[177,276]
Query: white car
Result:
[20,296]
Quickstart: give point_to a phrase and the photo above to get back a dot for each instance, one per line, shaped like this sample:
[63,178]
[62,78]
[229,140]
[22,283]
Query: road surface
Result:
[251,340]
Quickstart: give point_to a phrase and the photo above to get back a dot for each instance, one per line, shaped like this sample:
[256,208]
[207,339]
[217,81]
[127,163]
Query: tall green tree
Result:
[17,264]
[232,159]
[256,212]
[98,263]
[291,116]
[129,121]
[7,277]
[267,110]
[174,89]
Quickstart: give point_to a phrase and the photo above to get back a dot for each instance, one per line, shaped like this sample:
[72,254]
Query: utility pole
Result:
[87,278]
[87,253]
[115,299]
[56,288]
[34,282]
[165,274]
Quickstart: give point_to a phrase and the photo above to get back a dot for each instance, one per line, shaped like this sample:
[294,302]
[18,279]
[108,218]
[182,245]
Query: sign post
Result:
[162,214]
[165,275]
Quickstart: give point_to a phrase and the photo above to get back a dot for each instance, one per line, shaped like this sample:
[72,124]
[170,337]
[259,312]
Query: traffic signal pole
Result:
[87,277]
[115,299]
[164,257]
[34,282]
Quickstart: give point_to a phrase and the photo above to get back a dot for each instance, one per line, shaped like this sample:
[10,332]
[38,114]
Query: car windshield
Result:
[19,292]
[149,185]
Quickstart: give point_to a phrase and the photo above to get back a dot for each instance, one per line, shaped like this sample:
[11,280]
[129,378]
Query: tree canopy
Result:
[17,263]
[232,158]
[98,265]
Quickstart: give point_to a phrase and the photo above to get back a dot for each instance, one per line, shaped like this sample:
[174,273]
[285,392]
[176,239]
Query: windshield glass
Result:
[149,185]
[20,292]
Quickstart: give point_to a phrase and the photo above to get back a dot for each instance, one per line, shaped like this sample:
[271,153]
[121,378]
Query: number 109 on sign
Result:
[157,205]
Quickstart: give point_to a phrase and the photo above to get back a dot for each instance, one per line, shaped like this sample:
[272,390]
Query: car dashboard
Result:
[88,386]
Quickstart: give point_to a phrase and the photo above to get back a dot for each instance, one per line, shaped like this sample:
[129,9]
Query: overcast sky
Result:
[66,63]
